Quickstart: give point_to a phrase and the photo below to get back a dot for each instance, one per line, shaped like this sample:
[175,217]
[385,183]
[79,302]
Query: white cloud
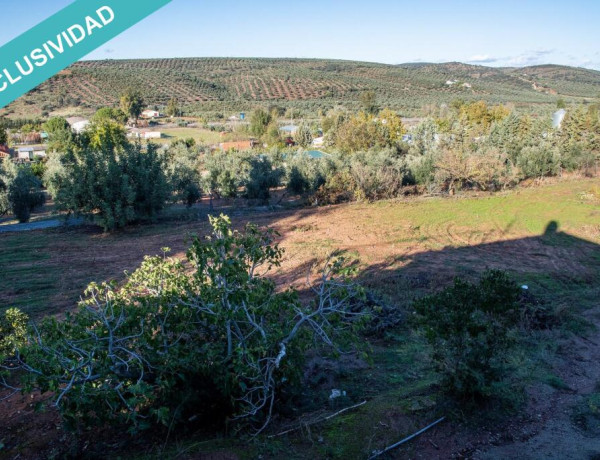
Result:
[482,59]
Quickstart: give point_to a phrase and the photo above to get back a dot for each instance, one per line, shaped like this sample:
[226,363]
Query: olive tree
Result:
[115,184]
[132,103]
[25,193]
[182,168]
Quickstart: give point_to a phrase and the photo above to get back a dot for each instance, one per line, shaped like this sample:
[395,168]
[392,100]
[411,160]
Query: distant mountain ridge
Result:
[226,84]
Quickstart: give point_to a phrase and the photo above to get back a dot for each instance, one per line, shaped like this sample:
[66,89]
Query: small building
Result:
[152,135]
[151,114]
[318,141]
[5,152]
[30,153]
[289,129]
[78,124]
[25,154]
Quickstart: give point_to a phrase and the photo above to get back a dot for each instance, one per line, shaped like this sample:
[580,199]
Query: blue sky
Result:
[487,32]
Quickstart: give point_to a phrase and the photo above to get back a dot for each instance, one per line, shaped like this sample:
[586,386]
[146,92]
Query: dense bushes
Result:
[539,161]
[182,167]
[20,190]
[262,177]
[116,184]
[209,340]
[304,174]
[470,328]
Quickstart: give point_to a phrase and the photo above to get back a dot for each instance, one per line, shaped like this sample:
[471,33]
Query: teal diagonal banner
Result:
[63,39]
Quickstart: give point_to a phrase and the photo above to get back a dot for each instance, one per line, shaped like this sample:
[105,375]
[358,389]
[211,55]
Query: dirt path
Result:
[40,225]
[551,433]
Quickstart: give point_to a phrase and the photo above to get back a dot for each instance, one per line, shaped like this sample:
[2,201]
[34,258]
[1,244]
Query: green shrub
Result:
[378,175]
[25,194]
[305,175]
[13,331]
[226,173]
[469,327]
[182,169]
[586,415]
[539,161]
[117,184]
[262,177]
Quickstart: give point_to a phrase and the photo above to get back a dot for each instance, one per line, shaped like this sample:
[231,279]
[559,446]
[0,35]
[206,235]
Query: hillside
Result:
[228,84]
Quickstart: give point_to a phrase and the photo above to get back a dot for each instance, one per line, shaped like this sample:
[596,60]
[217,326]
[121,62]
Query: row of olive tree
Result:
[100,174]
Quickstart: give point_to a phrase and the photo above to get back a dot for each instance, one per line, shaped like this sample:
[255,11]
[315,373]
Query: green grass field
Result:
[201,136]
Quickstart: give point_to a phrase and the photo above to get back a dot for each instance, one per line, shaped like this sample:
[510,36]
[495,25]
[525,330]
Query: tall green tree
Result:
[262,177]
[183,173]
[110,114]
[368,101]
[173,108]
[8,172]
[106,134]
[259,122]
[304,135]
[132,104]
[3,135]
[25,193]
[60,134]
[116,185]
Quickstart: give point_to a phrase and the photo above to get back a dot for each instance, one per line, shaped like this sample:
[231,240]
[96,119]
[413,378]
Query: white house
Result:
[80,126]
[30,153]
[25,153]
[289,129]
[150,114]
[152,135]
[318,141]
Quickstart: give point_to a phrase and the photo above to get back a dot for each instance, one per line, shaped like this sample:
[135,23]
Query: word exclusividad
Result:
[47,51]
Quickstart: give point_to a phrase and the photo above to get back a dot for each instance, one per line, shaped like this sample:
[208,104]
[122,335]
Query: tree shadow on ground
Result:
[554,255]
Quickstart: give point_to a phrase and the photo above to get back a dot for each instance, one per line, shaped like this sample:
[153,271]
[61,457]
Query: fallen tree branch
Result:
[329,417]
[412,436]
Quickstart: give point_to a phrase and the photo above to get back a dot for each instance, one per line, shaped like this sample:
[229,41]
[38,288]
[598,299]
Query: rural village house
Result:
[4,152]
[151,114]
[30,153]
